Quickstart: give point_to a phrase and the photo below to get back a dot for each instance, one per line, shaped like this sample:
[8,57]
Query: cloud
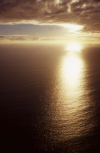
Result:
[19,38]
[35,38]
[82,12]
[2,37]
[15,38]
[69,38]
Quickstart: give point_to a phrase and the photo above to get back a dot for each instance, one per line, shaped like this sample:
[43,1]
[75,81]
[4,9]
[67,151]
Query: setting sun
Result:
[74,47]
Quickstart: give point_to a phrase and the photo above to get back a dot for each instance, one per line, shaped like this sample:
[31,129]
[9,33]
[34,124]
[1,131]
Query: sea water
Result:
[50,98]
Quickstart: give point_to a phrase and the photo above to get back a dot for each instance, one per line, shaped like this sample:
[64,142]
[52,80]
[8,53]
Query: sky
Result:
[49,19]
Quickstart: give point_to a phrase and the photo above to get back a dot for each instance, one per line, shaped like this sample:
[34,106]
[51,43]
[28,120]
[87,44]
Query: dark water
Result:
[49,99]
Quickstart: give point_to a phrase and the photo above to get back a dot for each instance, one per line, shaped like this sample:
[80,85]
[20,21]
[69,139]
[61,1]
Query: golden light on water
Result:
[69,105]
[71,70]
[73,47]
[72,74]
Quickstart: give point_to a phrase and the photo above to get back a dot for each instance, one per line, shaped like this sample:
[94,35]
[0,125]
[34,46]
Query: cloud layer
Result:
[69,38]
[82,12]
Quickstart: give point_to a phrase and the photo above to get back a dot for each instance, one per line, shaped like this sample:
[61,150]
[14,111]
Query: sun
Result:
[74,47]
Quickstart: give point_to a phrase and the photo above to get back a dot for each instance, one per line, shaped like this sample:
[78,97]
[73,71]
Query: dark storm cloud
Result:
[83,12]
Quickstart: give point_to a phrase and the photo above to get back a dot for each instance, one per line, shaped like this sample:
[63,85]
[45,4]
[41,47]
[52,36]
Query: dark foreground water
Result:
[49,99]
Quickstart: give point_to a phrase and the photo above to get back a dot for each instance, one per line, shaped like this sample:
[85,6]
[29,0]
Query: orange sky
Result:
[47,19]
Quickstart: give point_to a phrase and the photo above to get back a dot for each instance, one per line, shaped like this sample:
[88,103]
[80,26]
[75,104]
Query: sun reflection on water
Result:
[69,103]
[71,76]
[71,70]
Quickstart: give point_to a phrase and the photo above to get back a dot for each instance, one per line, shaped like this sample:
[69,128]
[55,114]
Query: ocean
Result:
[49,98]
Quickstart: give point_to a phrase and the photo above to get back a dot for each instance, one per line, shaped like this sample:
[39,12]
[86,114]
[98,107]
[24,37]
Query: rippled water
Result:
[50,98]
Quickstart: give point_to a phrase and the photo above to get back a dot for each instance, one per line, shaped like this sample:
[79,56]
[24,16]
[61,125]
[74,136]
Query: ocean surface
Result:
[49,98]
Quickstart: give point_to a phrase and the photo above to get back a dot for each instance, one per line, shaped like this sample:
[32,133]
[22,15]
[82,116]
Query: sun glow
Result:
[73,27]
[72,71]
[68,91]
[74,47]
